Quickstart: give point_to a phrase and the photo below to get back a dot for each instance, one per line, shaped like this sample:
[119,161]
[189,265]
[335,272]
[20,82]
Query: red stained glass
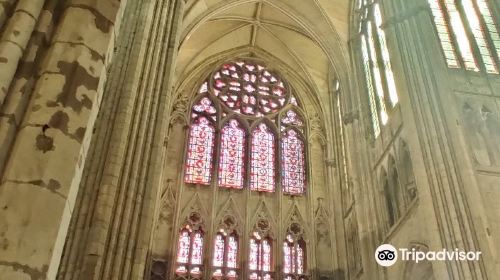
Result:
[292,118]
[262,176]
[197,251]
[231,165]
[183,247]
[293,165]
[200,152]
[241,85]
[218,260]
[260,258]
[266,255]
[232,252]
[293,258]
[254,255]
[225,255]
[189,252]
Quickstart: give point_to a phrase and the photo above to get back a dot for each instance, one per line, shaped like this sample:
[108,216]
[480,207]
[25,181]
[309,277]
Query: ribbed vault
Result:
[310,37]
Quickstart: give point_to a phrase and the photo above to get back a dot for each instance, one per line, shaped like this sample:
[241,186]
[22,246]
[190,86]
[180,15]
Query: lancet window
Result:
[377,67]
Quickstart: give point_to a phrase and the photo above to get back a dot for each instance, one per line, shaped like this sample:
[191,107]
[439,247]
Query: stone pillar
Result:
[14,40]
[18,96]
[112,225]
[5,7]
[41,178]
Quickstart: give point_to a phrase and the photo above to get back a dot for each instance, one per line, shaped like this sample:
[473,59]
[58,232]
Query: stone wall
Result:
[448,120]
[53,60]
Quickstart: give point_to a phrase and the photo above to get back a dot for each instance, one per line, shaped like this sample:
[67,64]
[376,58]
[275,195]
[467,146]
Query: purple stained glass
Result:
[231,164]
[262,174]
[200,152]
[293,165]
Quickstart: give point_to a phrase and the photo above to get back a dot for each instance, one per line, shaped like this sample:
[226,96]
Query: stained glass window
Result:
[293,257]
[479,36]
[291,118]
[444,34]
[232,152]
[253,92]
[260,257]
[371,91]
[219,250]
[293,166]
[455,20]
[262,173]
[389,76]
[200,152]
[377,66]
[249,88]
[184,246]
[225,259]
[232,252]
[189,251]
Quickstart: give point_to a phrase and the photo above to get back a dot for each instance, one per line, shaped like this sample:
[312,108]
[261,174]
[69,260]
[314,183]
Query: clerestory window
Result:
[377,67]
[468,34]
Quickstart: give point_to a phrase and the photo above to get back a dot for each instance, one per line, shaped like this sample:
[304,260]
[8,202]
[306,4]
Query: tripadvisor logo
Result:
[387,255]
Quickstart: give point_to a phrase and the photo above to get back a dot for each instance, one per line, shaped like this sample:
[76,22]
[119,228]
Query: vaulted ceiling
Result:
[310,36]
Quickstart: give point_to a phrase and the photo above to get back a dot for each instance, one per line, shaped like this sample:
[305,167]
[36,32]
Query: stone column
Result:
[5,6]
[19,94]
[42,176]
[112,225]
[14,40]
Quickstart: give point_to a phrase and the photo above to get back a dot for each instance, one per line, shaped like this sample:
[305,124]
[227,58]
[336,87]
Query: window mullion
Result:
[441,20]
[460,35]
[381,62]
[493,44]
[374,115]
[375,74]
[481,55]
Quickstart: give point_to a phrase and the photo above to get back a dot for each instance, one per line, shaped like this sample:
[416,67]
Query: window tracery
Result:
[236,96]
[377,67]
[226,250]
[467,33]
[294,254]
[190,248]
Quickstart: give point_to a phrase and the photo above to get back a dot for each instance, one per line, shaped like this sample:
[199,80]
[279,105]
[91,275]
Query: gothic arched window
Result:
[260,257]
[232,156]
[262,159]
[469,27]
[225,259]
[246,113]
[294,258]
[380,82]
[190,251]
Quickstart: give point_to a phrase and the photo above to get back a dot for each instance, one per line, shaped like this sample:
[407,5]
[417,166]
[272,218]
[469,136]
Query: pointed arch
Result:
[232,154]
[293,167]
[397,199]
[263,158]
[407,177]
[200,152]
